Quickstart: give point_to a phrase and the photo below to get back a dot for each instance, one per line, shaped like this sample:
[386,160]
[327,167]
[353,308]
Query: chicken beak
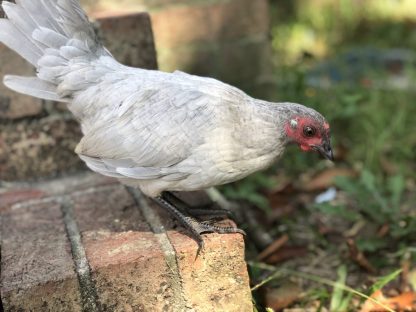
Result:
[325,150]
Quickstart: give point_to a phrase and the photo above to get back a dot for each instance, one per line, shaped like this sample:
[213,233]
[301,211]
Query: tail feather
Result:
[21,20]
[33,86]
[16,41]
[56,37]
[49,38]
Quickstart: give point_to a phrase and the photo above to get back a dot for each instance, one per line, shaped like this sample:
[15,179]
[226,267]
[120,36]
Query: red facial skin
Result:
[305,143]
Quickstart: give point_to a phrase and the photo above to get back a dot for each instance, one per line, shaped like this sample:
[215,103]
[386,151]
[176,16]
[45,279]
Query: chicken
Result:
[157,131]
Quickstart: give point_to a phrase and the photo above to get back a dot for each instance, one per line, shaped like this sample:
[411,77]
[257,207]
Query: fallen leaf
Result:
[282,297]
[403,302]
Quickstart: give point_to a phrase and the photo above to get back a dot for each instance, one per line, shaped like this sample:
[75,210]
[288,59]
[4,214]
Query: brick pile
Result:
[87,243]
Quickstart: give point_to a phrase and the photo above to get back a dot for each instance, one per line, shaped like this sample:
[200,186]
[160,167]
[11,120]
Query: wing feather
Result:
[151,136]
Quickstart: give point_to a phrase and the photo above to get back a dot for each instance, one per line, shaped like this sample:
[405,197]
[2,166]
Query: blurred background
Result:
[312,223]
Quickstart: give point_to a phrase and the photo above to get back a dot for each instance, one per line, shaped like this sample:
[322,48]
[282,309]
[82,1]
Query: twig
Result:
[272,248]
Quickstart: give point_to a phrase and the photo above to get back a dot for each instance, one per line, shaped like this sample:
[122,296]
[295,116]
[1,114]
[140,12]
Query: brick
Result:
[12,104]
[242,63]
[217,280]
[23,192]
[239,68]
[229,20]
[138,258]
[38,148]
[129,38]
[11,197]
[127,264]
[37,271]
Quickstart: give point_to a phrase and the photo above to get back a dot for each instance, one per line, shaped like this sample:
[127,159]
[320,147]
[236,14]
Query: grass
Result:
[374,134]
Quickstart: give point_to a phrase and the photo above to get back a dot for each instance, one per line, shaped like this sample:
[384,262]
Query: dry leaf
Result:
[282,297]
[401,303]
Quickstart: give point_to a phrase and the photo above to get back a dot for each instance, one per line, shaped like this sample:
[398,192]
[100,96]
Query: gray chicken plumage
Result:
[155,130]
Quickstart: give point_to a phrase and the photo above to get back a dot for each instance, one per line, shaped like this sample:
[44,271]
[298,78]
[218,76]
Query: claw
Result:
[194,226]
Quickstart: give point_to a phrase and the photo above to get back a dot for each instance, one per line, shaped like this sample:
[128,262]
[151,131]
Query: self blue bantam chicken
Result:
[157,131]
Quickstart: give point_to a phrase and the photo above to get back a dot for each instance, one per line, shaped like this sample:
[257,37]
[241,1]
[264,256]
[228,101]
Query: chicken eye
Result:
[309,131]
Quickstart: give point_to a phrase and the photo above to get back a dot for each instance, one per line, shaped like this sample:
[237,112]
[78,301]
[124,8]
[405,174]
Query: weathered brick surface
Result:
[127,264]
[37,268]
[217,280]
[135,263]
[35,148]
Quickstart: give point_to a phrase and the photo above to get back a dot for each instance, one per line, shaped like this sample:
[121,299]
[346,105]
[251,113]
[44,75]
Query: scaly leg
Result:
[194,226]
[203,211]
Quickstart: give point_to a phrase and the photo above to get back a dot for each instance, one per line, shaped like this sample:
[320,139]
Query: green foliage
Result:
[380,201]
[373,127]
[338,210]
[384,280]
[320,27]
[340,301]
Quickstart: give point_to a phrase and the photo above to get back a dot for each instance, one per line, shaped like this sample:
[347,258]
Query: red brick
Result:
[18,192]
[10,197]
[216,280]
[229,20]
[133,266]
[37,271]
[127,264]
